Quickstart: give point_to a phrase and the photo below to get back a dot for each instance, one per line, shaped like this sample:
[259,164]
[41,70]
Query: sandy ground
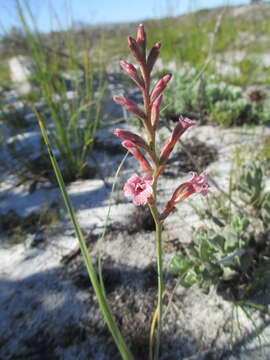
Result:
[48,309]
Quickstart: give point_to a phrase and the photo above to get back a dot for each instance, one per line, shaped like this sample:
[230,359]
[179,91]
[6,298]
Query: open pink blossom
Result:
[197,184]
[139,189]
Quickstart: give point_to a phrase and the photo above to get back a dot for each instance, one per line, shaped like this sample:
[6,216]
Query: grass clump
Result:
[72,89]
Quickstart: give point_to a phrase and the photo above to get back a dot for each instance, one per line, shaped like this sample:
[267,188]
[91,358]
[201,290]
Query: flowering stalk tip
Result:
[141,40]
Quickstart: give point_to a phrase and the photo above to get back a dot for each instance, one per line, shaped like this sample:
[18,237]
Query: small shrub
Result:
[212,101]
[233,253]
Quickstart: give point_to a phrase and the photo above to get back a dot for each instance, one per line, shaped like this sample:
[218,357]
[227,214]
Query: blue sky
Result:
[102,11]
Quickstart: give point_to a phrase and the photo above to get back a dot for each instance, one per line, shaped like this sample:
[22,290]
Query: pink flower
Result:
[140,189]
[197,184]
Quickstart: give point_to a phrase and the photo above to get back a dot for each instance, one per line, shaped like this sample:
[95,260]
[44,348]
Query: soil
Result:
[49,311]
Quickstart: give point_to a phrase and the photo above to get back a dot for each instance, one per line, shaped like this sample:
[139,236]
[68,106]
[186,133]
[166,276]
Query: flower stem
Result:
[158,224]
[160,286]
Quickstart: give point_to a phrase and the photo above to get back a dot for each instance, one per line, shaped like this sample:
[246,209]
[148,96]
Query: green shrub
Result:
[233,253]
[210,100]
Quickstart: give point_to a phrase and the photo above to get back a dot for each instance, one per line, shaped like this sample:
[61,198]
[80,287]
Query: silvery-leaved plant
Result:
[152,161]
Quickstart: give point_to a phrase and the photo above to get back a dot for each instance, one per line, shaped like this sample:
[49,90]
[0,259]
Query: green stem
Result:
[153,207]
[160,287]
[102,300]
[158,224]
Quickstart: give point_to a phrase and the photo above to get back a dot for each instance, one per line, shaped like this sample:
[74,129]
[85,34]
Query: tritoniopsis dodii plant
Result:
[142,187]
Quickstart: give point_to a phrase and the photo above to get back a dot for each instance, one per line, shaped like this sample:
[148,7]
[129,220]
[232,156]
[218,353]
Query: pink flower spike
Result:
[152,57]
[155,110]
[132,148]
[131,71]
[160,86]
[130,106]
[128,135]
[139,189]
[182,125]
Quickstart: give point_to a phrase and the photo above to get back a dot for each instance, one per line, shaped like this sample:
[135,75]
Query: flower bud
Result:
[160,86]
[131,71]
[152,57]
[130,106]
[135,50]
[155,110]
[130,146]
[141,40]
[182,125]
[128,135]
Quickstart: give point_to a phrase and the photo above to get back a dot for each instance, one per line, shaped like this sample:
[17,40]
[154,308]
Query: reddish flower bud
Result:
[131,71]
[155,110]
[160,86]
[130,106]
[128,135]
[152,57]
[135,49]
[141,40]
[181,127]
[130,146]
[141,36]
